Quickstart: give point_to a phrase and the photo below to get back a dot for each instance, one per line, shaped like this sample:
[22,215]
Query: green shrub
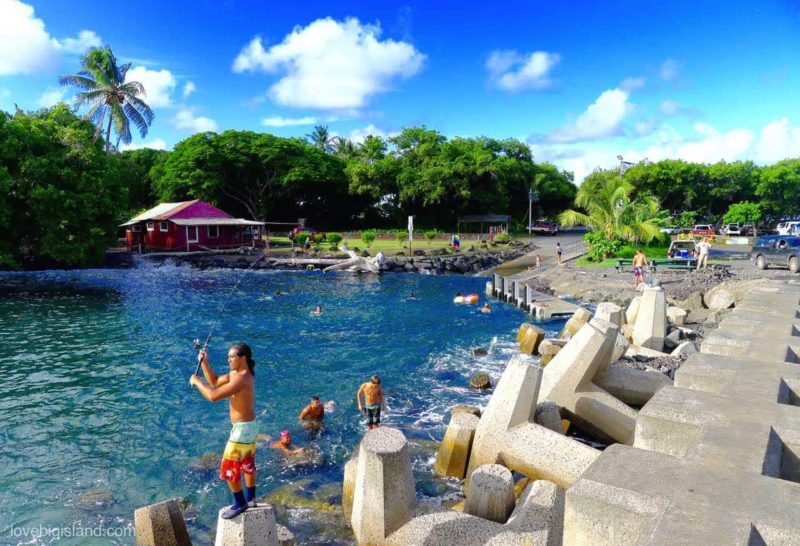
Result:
[600,247]
[368,237]
[502,238]
[401,236]
[430,236]
[301,238]
[334,239]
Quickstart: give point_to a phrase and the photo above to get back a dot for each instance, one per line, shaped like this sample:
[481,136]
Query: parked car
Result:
[313,233]
[671,230]
[777,250]
[748,229]
[547,228]
[788,228]
[682,249]
[731,229]
[703,230]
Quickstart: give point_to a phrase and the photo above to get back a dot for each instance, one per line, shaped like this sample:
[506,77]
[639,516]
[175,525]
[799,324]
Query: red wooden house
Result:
[187,226]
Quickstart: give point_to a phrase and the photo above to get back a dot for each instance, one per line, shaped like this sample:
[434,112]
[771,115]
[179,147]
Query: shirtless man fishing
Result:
[240,451]
[373,401]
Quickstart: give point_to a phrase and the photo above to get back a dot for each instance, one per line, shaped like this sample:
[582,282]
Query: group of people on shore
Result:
[238,459]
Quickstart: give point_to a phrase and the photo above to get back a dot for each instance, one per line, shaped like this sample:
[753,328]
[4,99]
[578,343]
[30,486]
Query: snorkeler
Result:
[315,411]
[285,444]
[486,308]
[317,311]
[240,451]
[373,401]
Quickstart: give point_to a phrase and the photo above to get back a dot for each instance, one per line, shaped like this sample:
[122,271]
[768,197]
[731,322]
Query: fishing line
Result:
[196,343]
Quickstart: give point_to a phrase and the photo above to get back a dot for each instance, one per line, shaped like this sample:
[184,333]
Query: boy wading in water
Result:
[240,451]
[373,400]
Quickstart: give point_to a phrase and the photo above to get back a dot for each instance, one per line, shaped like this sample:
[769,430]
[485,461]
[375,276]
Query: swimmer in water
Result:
[486,308]
[317,311]
[412,296]
[285,444]
[374,401]
[315,411]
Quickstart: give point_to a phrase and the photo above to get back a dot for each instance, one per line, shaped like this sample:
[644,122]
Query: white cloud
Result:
[185,120]
[25,46]
[158,85]
[632,84]
[359,134]
[670,107]
[331,64]
[52,96]
[79,45]
[514,72]
[188,89]
[670,70]
[603,118]
[156,144]
[778,140]
[278,121]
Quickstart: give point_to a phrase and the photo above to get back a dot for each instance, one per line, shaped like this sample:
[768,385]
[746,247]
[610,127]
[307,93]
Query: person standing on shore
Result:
[240,451]
[538,262]
[639,263]
[702,248]
[373,401]
[558,253]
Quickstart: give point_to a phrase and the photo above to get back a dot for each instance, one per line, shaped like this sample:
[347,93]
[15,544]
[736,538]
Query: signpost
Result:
[532,196]
[410,234]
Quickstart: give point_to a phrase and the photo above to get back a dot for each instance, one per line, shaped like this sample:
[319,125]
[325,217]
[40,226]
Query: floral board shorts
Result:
[240,452]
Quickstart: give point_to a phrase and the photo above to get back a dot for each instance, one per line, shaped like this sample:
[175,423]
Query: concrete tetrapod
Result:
[384,497]
[633,310]
[161,524]
[567,381]
[650,327]
[532,336]
[349,486]
[548,415]
[254,527]
[610,312]
[580,317]
[537,520]
[632,386]
[491,493]
[513,402]
[453,454]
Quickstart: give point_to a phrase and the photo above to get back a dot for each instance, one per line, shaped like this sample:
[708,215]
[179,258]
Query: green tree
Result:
[610,210]
[108,95]
[321,138]
[344,148]
[778,187]
[401,236]
[430,235]
[743,213]
[368,237]
[59,187]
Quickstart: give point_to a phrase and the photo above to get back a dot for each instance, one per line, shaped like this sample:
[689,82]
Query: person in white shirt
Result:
[702,248]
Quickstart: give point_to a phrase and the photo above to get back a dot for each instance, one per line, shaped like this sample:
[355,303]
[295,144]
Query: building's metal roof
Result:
[215,222]
[156,212]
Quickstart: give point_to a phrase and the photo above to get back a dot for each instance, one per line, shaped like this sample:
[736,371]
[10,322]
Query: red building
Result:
[190,225]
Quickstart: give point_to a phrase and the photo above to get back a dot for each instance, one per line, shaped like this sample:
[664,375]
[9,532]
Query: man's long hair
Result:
[243,349]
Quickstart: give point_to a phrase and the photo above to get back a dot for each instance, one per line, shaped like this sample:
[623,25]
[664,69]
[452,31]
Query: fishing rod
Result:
[196,343]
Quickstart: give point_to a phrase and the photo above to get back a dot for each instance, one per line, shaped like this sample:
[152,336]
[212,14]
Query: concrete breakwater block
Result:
[567,381]
[512,403]
[676,315]
[161,524]
[610,312]
[548,349]
[531,338]
[453,454]
[384,497]
[548,415]
[463,408]
[633,310]
[253,527]
[491,493]
[349,486]
[632,386]
[580,317]
[650,327]
[285,536]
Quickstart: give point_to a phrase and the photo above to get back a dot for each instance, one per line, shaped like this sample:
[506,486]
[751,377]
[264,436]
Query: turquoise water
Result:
[98,418]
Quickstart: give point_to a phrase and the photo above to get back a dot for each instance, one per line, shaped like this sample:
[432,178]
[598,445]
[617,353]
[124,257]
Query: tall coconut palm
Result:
[611,210]
[344,147]
[111,100]
[321,138]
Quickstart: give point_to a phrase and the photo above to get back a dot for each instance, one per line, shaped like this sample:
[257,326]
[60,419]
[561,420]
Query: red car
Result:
[703,230]
[542,226]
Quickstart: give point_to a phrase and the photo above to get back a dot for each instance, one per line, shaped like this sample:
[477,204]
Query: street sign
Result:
[533,196]
[410,228]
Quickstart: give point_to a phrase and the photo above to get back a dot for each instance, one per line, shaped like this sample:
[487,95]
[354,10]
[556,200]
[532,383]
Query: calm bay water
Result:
[97,418]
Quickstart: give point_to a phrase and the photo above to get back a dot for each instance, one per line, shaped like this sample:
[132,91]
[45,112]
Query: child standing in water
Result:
[240,451]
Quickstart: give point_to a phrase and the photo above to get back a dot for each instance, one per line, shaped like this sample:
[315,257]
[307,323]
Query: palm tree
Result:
[110,96]
[345,148]
[321,138]
[610,210]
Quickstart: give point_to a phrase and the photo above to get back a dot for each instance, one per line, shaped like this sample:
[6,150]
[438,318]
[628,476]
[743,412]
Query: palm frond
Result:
[142,107]
[132,88]
[137,119]
[121,124]
[83,82]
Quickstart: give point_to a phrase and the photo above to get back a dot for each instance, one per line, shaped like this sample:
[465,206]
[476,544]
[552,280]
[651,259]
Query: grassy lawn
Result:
[387,246]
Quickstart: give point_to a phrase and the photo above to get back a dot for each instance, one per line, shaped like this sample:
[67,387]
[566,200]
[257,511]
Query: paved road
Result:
[546,248]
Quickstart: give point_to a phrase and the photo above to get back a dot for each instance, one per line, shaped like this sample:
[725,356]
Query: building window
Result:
[163,226]
[191,234]
[136,228]
[151,226]
[213,232]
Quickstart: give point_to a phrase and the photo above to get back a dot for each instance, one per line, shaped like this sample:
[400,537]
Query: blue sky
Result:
[580,81]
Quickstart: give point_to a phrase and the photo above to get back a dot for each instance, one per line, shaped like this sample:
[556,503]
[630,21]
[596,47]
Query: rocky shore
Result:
[435,261]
